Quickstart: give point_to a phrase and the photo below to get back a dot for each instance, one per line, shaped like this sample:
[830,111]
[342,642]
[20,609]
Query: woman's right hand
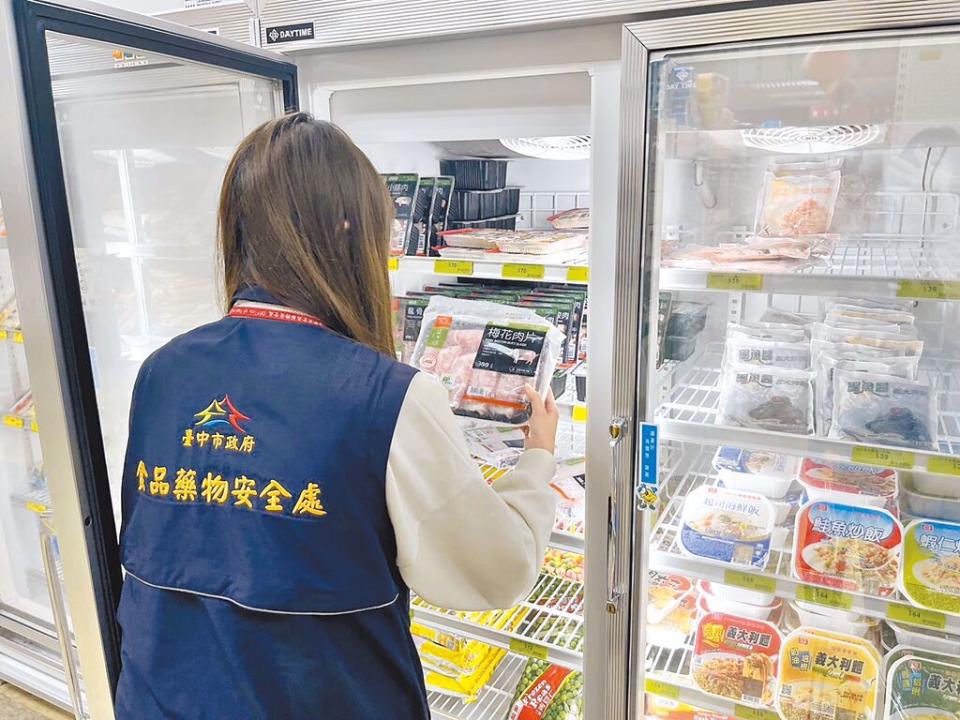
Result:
[542,425]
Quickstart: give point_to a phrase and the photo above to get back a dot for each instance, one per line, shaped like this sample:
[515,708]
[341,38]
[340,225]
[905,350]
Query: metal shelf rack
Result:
[494,700]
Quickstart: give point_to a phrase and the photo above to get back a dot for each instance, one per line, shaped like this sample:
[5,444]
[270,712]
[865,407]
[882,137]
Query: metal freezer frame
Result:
[637,260]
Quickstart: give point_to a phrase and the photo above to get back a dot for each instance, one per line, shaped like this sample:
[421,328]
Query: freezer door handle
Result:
[618,429]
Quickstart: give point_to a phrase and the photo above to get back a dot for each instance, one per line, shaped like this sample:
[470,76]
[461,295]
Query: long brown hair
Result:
[304,215]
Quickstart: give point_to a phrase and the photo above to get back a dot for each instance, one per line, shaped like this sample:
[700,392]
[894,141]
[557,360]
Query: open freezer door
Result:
[130,122]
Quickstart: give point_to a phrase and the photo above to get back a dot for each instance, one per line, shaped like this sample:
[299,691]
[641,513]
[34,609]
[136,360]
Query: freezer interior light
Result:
[812,140]
[557,147]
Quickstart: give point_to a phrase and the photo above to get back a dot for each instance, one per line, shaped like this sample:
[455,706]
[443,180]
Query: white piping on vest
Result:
[256,609]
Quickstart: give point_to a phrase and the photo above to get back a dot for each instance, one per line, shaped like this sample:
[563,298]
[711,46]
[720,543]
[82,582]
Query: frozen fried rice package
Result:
[485,353]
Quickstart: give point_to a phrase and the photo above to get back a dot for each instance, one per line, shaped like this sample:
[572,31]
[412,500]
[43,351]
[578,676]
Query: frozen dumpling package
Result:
[485,353]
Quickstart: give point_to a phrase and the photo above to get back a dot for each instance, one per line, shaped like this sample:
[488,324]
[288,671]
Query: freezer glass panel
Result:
[145,140]
[803,219]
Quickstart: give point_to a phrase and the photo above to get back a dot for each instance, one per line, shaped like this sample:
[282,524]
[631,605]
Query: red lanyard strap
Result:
[278,314]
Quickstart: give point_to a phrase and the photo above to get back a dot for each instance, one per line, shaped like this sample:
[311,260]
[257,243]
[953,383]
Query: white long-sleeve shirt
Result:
[461,543]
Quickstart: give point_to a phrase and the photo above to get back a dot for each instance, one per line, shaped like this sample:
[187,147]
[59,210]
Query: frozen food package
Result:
[798,198]
[664,593]
[887,315]
[885,410]
[420,218]
[672,631]
[571,506]
[895,343]
[827,676]
[402,190]
[547,692]
[727,526]
[485,353]
[439,212]
[736,657]
[923,688]
[828,365]
[769,474]
[753,253]
[849,483]
[575,219]
[766,399]
[865,302]
[851,323]
[750,352]
[848,547]
[931,565]
[766,331]
[687,319]
[496,445]
[783,317]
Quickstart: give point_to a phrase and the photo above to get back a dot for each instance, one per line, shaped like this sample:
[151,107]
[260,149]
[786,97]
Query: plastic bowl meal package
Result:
[849,547]
[921,688]
[672,631]
[485,353]
[848,482]
[734,593]
[826,675]
[727,526]
[736,658]
[769,474]
[929,506]
[923,638]
[709,602]
[885,410]
[766,399]
[823,619]
[927,483]
[657,707]
[664,593]
[931,565]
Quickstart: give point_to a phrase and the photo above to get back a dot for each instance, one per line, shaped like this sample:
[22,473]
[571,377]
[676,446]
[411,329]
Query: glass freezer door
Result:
[132,122]
[801,228]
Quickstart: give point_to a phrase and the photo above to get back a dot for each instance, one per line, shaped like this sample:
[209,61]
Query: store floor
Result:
[15,704]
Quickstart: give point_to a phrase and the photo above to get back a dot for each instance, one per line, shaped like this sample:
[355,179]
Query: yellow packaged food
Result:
[466,687]
[827,676]
[461,661]
[438,636]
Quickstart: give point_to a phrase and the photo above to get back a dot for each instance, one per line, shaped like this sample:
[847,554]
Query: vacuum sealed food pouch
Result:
[766,399]
[827,676]
[885,410]
[923,688]
[664,593]
[764,331]
[849,482]
[547,692]
[495,445]
[848,547]
[931,565]
[894,343]
[727,526]
[485,353]
[783,317]
[765,353]
[798,198]
[904,367]
[856,312]
[575,219]
[736,657]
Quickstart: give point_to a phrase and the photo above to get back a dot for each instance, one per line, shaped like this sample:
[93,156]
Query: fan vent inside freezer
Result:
[812,140]
[560,147]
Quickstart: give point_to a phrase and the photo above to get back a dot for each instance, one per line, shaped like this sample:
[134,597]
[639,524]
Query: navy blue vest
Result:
[261,577]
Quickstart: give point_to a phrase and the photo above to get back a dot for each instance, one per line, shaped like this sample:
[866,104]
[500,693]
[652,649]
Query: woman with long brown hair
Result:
[286,481]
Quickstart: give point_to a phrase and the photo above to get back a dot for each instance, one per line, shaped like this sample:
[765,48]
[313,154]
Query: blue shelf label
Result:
[649,448]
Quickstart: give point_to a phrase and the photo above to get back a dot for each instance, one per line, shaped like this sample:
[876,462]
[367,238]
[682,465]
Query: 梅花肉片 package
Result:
[848,547]
[931,565]
[485,354]
[825,676]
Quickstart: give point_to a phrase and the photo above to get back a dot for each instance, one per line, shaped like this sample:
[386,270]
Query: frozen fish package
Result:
[485,353]
[767,399]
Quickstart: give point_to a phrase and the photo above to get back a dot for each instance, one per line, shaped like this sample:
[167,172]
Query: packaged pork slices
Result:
[485,353]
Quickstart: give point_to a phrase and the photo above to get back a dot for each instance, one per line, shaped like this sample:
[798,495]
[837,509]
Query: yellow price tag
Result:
[13,421]
[578,274]
[825,596]
[901,459]
[36,507]
[916,616]
[749,581]
[34,427]
[748,282]
[453,267]
[393,263]
[662,689]
[929,289]
[18,337]
[944,465]
[529,649]
[580,413]
[523,272]
[3,334]
[745,712]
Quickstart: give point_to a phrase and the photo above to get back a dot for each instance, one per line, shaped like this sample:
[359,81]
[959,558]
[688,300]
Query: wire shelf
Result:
[494,700]
[690,411]
[551,617]
[537,206]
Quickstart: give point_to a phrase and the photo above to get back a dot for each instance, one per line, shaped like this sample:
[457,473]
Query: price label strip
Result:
[929,289]
[825,596]
[746,282]
[18,337]
[578,274]
[662,689]
[453,267]
[745,712]
[579,414]
[944,465]
[749,581]
[13,421]
[884,457]
[916,616]
[393,263]
[523,647]
[517,271]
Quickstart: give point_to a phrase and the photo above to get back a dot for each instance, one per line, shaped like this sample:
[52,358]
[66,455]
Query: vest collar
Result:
[255,293]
